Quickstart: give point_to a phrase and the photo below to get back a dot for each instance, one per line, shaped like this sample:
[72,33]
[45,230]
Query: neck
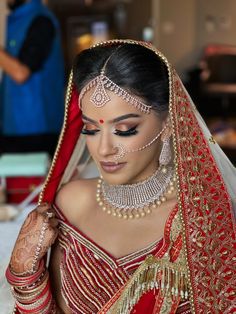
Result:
[136,200]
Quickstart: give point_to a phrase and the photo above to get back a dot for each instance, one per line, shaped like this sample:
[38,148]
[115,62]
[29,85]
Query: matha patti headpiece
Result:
[100,96]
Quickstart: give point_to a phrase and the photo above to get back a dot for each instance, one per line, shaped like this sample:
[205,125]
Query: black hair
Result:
[131,66]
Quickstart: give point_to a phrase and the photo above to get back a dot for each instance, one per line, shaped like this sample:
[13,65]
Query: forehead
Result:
[116,106]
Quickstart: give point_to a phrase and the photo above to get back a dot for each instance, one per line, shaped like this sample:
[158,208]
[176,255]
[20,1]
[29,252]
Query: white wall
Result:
[175,31]
[184,27]
[216,22]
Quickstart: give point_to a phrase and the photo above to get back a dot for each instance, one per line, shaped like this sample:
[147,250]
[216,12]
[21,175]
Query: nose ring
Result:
[121,152]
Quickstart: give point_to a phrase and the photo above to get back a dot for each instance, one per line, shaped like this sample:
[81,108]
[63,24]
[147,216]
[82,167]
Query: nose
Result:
[106,146]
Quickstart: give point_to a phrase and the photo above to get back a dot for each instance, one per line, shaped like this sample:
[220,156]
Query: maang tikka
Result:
[100,96]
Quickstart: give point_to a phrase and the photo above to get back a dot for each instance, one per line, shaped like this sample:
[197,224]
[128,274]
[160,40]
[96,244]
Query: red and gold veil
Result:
[206,182]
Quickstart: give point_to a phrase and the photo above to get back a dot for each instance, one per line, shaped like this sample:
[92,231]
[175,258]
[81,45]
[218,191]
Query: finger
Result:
[53,222]
[49,215]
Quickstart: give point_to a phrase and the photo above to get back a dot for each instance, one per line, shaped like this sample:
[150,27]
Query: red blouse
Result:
[90,275]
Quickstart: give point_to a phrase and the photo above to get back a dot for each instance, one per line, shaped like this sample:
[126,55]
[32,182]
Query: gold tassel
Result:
[152,273]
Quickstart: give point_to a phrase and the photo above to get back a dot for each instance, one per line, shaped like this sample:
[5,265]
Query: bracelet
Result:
[41,306]
[51,308]
[34,286]
[35,305]
[37,300]
[30,294]
[18,281]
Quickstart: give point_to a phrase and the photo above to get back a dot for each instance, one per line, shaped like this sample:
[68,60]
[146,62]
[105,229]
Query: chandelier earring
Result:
[165,155]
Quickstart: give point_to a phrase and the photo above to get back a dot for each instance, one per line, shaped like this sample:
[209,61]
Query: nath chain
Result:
[122,151]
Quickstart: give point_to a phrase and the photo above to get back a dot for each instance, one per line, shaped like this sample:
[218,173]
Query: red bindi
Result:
[101,121]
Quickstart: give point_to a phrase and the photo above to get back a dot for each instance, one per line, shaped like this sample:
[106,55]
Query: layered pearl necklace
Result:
[138,199]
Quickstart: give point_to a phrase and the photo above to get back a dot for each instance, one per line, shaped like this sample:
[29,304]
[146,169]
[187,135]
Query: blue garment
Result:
[37,105]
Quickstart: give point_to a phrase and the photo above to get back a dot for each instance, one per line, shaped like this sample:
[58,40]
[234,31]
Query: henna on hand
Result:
[37,234]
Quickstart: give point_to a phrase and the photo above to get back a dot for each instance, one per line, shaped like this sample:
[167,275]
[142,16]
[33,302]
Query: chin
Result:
[114,179]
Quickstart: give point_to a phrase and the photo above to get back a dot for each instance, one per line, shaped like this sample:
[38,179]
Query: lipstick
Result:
[111,167]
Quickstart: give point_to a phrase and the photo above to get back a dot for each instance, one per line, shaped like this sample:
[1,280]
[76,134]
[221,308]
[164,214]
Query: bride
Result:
[155,232]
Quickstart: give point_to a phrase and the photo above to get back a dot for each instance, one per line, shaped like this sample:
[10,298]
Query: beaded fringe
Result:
[169,278]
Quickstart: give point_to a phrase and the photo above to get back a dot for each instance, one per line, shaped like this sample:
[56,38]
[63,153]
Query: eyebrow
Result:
[88,119]
[123,117]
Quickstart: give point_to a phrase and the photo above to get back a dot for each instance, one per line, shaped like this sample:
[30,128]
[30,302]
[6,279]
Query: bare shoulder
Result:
[76,197]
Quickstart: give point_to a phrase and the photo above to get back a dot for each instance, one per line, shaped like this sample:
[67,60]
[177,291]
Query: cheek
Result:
[91,145]
[138,141]
[148,154]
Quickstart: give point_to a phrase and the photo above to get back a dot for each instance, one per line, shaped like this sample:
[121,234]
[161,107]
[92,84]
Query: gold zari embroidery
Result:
[169,277]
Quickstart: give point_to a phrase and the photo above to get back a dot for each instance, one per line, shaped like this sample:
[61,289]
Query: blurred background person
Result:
[31,99]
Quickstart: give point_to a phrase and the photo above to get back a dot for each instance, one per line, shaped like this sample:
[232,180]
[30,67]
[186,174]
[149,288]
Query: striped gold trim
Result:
[68,97]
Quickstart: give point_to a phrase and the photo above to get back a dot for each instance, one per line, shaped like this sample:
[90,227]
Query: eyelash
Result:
[88,132]
[130,132]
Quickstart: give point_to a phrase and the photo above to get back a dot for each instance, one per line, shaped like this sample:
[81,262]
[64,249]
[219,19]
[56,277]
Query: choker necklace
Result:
[138,199]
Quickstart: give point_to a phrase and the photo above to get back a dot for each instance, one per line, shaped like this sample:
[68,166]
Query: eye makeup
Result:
[92,131]
[89,132]
[129,132]
[89,129]
[122,126]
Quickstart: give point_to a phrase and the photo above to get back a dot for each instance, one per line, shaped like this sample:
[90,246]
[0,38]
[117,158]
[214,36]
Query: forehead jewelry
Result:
[101,121]
[122,151]
[100,96]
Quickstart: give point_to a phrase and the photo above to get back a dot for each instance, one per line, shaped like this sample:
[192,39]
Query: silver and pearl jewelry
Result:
[136,200]
[39,245]
[165,155]
[122,151]
[100,96]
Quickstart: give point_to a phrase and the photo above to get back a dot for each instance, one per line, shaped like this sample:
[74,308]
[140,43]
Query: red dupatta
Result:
[205,208]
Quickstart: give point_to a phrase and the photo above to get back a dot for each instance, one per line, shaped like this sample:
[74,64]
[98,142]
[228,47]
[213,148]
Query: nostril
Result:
[120,152]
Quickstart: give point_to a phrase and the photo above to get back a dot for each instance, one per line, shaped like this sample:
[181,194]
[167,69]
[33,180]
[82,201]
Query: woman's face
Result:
[120,123]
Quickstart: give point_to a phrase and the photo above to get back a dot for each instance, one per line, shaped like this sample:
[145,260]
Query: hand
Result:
[37,234]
